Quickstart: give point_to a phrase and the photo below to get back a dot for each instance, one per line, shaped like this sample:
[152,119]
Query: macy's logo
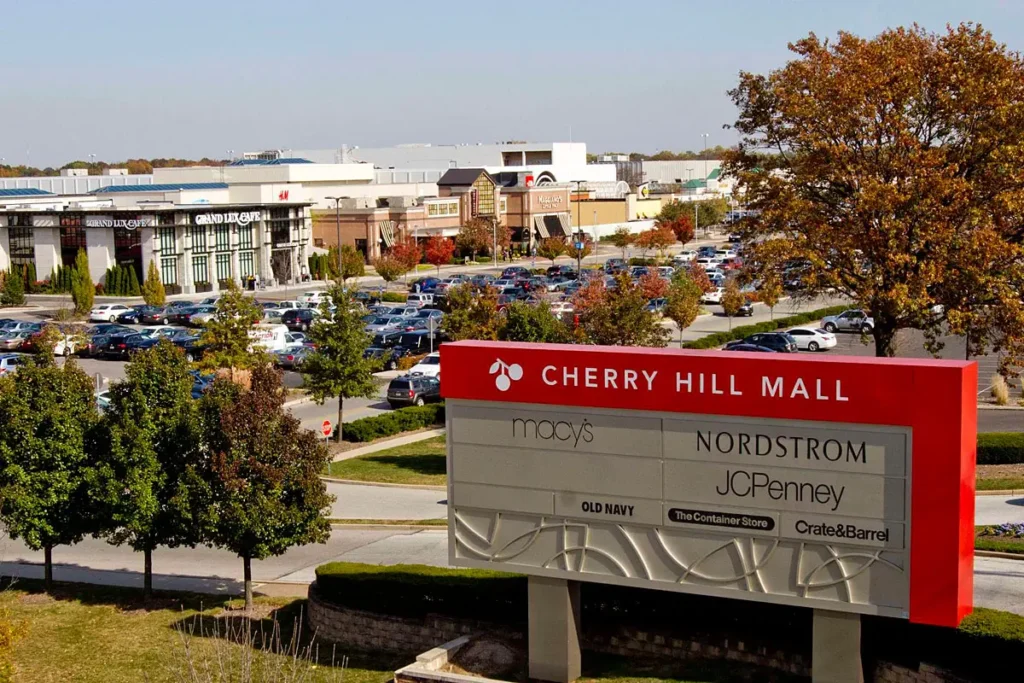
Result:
[506,374]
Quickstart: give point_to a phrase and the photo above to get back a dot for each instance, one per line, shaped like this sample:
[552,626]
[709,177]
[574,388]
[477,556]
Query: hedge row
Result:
[394,298]
[394,422]
[713,341]
[985,644]
[1001,448]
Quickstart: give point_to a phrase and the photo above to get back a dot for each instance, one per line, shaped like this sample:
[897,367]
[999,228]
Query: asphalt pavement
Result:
[356,501]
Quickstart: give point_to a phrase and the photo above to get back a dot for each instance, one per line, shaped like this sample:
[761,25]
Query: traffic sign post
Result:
[327,429]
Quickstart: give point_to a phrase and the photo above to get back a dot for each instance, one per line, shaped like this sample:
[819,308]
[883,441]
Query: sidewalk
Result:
[389,443]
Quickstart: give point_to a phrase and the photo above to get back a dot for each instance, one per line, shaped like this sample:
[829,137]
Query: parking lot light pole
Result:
[337,221]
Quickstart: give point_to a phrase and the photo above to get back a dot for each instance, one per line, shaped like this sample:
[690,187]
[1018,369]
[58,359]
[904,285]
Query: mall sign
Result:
[842,484]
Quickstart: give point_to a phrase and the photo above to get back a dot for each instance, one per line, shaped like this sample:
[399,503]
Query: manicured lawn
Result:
[1000,477]
[86,634]
[999,484]
[422,462]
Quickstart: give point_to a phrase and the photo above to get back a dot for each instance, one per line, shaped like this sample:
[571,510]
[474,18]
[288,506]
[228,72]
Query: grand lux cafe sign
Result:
[239,218]
[125,223]
[824,483]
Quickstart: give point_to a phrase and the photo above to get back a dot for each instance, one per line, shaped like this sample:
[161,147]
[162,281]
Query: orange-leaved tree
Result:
[892,167]
[439,251]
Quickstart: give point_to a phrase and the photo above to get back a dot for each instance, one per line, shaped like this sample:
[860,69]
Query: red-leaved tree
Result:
[439,251]
[407,252]
[653,286]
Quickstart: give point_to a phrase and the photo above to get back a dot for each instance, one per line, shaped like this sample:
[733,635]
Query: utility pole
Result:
[704,153]
[337,222]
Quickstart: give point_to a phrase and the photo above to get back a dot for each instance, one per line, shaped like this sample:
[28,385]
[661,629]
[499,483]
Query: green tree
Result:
[711,212]
[338,368]
[471,317]
[49,417]
[82,289]
[133,283]
[14,290]
[579,254]
[525,323]
[617,316]
[896,175]
[226,342]
[148,477]
[264,472]
[153,291]
[551,248]
[389,268]
[353,263]
[622,238]
[732,299]
[682,303]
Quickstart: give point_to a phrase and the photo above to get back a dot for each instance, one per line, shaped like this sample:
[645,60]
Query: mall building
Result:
[199,235]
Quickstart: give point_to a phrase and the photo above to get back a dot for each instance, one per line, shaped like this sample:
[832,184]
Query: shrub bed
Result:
[980,647]
[394,422]
[394,297]
[1001,448]
[717,339]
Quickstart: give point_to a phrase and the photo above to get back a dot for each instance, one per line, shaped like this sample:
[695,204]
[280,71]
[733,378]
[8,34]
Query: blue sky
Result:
[189,79]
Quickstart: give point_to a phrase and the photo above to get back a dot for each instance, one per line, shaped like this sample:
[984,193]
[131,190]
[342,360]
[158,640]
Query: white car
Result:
[294,340]
[713,297]
[107,313]
[560,308]
[709,263]
[311,299]
[812,338]
[685,256]
[429,366]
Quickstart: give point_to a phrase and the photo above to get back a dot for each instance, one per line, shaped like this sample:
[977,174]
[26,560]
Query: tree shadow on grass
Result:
[124,599]
[420,464]
[279,631]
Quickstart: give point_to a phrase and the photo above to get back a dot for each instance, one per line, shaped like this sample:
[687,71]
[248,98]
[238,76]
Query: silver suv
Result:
[853,320]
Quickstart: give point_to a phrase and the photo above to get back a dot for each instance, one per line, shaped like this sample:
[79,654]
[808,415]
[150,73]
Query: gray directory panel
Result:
[781,511]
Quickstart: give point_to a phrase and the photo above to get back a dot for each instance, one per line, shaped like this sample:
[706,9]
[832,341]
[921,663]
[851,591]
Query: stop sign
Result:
[326,428]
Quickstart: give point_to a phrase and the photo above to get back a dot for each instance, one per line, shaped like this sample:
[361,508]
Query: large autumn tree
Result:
[893,168]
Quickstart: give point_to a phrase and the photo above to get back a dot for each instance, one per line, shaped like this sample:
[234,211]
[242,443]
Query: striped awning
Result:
[387,233]
[542,230]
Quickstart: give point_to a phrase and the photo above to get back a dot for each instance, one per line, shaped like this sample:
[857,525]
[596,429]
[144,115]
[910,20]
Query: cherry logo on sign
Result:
[506,374]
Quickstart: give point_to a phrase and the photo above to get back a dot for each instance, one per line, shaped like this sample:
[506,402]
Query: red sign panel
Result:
[326,429]
[936,400]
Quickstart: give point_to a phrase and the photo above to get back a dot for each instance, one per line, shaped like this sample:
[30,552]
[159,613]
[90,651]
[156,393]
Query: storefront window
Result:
[22,244]
[198,235]
[128,249]
[223,235]
[169,271]
[167,241]
[504,205]
[246,264]
[484,199]
[165,219]
[245,237]
[72,238]
[200,269]
[280,227]
[223,267]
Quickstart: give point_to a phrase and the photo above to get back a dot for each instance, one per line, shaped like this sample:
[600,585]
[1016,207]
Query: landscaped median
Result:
[421,463]
[716,339]
[353,601]
[1000,538]
[394,422]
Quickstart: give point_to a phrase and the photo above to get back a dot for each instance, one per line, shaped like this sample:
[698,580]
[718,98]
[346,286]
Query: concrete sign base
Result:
[835,648]
[554,629]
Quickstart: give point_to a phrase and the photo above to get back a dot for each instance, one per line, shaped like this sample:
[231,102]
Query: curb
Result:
[297,402]
[1003,556]
[353,482]
[388,527]
[989,406]
[1001,492]
[385,444]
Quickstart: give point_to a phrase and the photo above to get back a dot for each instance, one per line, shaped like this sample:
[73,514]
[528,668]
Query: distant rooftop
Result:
[269,162]
[23,192]
[170,187]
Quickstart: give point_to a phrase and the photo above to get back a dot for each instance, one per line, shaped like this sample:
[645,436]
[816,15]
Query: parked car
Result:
[270,338]
[298,319]
[155,315]
[386,339]
[133,315]
[149,337]
[481,280]
[746,310]
[513,272]
[384,322]
[365,297]
[562,308]
[311,299]
[419,299]
[107,312]
[102,399]
[638,271]
[685,256]
[812,338]
[657,306]
[429,313]
[424,284]
[854,320]
[777,341]
[413,390]
[388,357]
[9,362]
[292,359]
[190,344]
[116,346]
[714,296]
[210,301]
[564,271]
[430,366]
[749,348]
[14,340]
[200,315]
[615,265]
[415,343]
[294,340]
[705,251]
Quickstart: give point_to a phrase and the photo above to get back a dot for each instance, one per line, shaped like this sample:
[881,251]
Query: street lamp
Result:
[579,226]
[704,153]
[337,220]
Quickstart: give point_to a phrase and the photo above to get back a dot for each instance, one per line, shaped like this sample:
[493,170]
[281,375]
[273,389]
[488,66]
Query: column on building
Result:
[263,238]
[188,284]
[150,247]
[46,237]
[5,245]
